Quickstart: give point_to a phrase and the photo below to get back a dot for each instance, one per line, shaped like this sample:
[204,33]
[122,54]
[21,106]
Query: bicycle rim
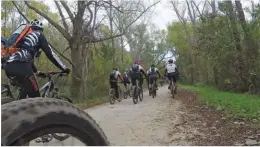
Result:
[172,90]
[141,96]
[135,96]
[112,97]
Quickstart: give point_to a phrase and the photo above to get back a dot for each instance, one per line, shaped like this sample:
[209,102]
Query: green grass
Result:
[92,102]
[239,105]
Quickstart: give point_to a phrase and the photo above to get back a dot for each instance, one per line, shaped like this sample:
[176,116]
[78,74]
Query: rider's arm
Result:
[119,76]
[158,73]
[49,53]
[176,70]
[142,71]
[165,71]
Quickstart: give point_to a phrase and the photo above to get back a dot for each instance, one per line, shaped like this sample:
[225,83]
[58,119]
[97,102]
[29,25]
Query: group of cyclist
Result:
[19,63]
[137,72]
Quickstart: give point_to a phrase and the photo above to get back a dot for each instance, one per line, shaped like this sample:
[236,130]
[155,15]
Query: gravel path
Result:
[146,123]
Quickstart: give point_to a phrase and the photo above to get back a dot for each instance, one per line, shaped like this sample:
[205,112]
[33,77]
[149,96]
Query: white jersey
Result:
[140,68]
[116,74]
[171,68]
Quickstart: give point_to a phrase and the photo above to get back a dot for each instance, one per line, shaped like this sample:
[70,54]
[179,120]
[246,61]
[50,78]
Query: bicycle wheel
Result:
[59,136]
[125,94]
[27,119]
[153,90]
[172,89]
[135,96]
[112,96]
[141,96]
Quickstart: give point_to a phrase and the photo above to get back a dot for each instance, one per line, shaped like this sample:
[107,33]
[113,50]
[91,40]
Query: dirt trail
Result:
[149,122]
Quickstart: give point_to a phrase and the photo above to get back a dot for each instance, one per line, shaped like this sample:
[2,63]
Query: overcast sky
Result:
[163,12]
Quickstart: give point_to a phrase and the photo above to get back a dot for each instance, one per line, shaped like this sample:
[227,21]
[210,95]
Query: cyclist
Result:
[20,63]
[136,73]
[152,75]
[171,72]
[3,51]
[3,45]
[113,78]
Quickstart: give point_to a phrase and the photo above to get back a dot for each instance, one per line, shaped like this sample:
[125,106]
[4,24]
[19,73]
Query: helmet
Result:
[115,68]
[137,62]
[36,23]
[152,65]
[3,40]
[170,61]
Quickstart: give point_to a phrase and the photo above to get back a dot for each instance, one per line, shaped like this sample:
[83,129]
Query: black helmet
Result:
[115,68]
[152,65]
[170,61]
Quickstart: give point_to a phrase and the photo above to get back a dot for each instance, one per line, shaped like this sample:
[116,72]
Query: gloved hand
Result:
[66,70]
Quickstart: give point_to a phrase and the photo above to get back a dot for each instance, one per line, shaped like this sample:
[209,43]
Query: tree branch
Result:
[56,25]
[20,12]
[121,34]
[61,54]
[67,9]
[62,16]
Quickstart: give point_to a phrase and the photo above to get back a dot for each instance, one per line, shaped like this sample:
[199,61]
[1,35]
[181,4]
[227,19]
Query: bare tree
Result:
[81,35]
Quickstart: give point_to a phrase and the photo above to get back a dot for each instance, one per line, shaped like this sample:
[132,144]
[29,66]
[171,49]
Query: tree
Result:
[82,35]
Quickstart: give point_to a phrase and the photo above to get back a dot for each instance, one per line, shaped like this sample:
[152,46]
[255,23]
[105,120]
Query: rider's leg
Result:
[155,80]
[169,78]
[150,81]
[175,80]
[141,79]
[25,77]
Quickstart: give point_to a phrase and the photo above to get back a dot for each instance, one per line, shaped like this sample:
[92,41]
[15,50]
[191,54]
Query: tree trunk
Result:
[241,67]
[79,71]
[251,50]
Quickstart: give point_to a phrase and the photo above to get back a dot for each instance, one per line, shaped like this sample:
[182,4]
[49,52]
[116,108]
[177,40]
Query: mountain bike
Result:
[173,88]
[137,92]
[112,94]
[27,119]
[127,91]
[48,89]
[152,89]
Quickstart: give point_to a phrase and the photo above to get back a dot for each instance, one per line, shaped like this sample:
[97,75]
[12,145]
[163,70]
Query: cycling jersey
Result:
[171,68]
[152,71]
[30,46]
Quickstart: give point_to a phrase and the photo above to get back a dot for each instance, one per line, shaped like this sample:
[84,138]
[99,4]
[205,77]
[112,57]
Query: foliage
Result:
[100,57]
[223,52]
[239,105]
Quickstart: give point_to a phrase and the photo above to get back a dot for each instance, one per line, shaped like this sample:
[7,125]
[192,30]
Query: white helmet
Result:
[36,23]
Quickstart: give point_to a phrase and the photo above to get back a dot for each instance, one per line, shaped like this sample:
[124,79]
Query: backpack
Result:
[112,76]
[135,68]
[152,69]
[16,37]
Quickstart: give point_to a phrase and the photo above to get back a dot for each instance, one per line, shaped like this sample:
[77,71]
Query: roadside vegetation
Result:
[239,105]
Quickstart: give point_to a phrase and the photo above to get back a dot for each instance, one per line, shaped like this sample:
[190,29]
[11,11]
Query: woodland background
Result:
[214,43]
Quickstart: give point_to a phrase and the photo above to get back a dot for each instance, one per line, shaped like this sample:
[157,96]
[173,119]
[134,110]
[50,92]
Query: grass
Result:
[90,103]
[239,105]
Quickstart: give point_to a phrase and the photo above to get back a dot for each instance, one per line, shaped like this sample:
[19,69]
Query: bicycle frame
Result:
[48,87]
[6,90]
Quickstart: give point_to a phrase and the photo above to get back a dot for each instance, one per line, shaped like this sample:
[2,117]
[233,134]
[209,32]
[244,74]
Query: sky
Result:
[163,12]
